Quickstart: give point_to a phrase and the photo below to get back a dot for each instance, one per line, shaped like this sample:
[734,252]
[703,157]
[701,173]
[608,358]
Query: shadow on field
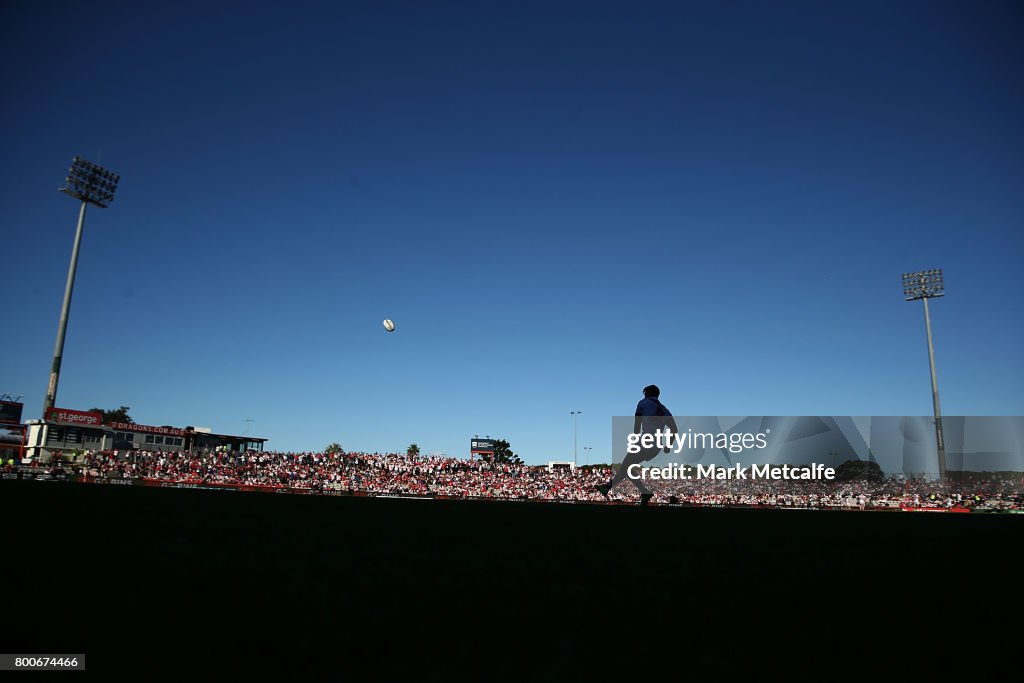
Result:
[145,580]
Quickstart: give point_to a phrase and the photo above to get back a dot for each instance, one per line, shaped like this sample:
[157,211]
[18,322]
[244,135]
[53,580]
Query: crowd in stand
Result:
[888,492]
[365,472]
[392,473]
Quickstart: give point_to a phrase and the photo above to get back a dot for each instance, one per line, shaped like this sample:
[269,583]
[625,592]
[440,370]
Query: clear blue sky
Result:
[557,203]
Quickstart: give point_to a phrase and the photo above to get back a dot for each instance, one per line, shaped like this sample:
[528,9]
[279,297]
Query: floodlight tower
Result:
[574,413]
[925,285]
[91,184]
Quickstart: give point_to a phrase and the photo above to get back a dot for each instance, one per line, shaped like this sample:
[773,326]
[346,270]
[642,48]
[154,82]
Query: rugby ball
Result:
[389,326]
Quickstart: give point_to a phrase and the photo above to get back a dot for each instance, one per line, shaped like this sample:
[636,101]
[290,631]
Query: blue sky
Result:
[557,203]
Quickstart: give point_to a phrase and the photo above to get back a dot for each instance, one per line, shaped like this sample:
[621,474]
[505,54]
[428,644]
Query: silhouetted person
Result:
[651,415]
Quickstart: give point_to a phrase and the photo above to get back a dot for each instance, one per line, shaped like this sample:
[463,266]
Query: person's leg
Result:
[641,487]
[645,493]
[623,473]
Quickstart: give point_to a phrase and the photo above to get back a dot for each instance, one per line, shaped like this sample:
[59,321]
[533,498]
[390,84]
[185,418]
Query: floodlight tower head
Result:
[926,284]
[91,183]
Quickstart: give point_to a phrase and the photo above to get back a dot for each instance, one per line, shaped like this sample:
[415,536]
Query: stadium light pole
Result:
[91,184]
[928,284]
[588,449]
[574,413]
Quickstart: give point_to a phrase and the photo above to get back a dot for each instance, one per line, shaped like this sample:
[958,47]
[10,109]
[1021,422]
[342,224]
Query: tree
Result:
[412,450]
[119,415]
[333,449]
[503,454]
[859,469]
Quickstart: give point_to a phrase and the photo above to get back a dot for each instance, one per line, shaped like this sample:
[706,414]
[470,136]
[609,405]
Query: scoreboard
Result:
[10,412]
[482,446]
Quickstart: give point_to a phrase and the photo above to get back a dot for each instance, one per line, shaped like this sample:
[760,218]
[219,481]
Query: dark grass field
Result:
[211,582]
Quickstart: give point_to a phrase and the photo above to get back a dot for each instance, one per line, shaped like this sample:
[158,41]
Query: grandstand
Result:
[63,431]
[376,474]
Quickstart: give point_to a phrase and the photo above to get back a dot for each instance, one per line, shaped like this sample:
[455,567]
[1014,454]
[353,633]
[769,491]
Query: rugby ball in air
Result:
[389,326]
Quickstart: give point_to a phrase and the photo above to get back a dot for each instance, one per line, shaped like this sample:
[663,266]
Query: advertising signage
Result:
[147,429]
[64,416]
[73,417]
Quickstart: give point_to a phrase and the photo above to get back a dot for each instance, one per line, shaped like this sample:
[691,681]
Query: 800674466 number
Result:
[17,662]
